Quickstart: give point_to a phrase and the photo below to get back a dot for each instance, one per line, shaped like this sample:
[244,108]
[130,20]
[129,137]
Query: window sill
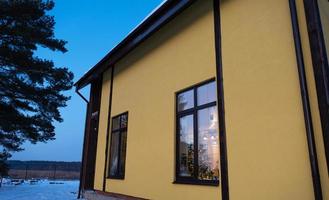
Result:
[197,182]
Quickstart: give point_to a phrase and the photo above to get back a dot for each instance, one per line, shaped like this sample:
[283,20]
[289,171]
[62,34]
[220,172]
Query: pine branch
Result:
[30,87]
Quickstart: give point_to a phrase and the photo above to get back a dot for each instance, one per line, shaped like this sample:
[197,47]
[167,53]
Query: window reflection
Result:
[206,93]
[123,153]
[324,16]
[208,144]
[115,123]
[118,146]
[114,153]
[186,153]
[185,100]
[124,120]
[198,135]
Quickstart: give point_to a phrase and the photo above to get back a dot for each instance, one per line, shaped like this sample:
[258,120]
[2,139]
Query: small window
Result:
[197,147]
[118,146]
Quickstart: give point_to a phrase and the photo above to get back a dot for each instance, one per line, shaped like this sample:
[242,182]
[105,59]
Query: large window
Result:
[197,147]
[118,146]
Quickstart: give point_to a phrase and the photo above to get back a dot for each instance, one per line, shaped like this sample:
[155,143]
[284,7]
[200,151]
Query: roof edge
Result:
[161,16]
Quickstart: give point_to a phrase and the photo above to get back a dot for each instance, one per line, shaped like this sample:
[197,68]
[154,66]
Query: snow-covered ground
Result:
[42,190]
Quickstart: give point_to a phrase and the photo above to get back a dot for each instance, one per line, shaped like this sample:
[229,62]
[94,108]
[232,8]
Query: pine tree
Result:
[30,87]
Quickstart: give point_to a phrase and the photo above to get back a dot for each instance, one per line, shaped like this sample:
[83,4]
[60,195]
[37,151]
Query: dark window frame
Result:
[194,112]
[320,64]
[119,130]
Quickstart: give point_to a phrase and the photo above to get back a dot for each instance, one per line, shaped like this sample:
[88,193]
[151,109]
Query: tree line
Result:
[43,165]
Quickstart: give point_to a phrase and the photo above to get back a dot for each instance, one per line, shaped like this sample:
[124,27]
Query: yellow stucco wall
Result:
[313,97]
[101,143]
[267,148]
[178,56]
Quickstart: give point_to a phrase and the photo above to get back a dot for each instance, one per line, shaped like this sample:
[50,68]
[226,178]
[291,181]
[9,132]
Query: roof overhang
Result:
[161,16]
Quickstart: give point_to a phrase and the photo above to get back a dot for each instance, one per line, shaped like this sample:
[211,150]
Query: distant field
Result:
[42,174]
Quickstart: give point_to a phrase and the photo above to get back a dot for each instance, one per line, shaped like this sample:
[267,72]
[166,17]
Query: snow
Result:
[42,190]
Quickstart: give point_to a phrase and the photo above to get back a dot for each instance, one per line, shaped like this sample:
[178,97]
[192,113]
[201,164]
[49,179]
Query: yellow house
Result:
[210,99]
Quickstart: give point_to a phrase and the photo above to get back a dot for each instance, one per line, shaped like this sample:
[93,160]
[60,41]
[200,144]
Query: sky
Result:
[92,29]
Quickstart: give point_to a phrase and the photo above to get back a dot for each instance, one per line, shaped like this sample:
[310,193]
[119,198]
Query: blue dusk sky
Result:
[92,29]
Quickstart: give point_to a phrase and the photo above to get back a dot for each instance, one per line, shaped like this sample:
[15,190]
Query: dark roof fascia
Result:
[158,19]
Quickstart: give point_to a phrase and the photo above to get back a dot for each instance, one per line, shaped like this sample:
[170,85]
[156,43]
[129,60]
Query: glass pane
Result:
[206,93]
[124,120]
[114,153]
[123,153]
[185,100]
[116,123]
[324,16]
[186,147]
[208,144]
